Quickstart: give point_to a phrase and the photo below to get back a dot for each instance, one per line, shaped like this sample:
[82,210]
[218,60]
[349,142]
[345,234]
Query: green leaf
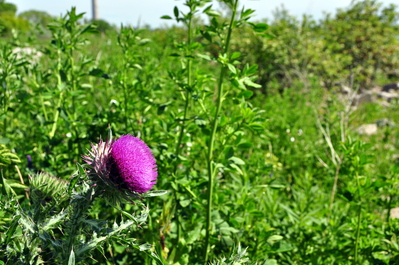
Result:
[249,82]
[252,70]
[246,13]
[6,188]
[145,247]
[73,182]
[257,213]
[92,244]
[96,72]
[259,27]
[245,145]
[256,126]
[4,140]
[228,152]
[86,86]
[54,221]
[232,68]
[16,184]
[166,17]
[237,168]
[235,55]
[237,160]
[274,238]
[204,56]
[27,223]
[193,235]
[176,12]
[200,121]
[11,230]
[184,203]
[246,94]
[71,260]
[213,13]
[155,193]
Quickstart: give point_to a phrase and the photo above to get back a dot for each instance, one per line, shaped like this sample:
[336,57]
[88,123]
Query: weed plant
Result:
[250,177]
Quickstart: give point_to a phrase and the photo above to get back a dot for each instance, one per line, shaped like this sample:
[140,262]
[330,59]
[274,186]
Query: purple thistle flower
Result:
[133,163]
[126,165]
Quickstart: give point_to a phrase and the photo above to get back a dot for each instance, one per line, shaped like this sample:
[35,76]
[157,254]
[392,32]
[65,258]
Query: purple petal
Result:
[135,163]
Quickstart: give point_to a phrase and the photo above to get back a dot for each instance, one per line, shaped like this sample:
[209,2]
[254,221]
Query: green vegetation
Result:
[257,150]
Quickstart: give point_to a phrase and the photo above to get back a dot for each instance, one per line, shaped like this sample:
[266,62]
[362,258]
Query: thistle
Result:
[122,167]
[133,163]
[46,187]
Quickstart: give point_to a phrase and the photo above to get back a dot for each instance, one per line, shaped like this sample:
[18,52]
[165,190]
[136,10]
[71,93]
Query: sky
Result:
[148,12]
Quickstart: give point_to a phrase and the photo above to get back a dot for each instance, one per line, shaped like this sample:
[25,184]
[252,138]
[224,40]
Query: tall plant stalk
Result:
[210,167]
[359,219]
[60,99]
[186,96]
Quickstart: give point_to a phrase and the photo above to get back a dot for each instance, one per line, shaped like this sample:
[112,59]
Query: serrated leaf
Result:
[11,230]
[27,223]
[92,244]
[54,220]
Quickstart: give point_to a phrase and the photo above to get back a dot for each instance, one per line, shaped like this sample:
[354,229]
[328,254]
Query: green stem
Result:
[80,207]
[5,108]
[210,167]
[183,122]
[57,109]
[359,215]
[56,116]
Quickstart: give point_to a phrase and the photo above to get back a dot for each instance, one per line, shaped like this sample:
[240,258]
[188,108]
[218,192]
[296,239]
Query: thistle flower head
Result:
[43,187]
[133,163]
[126,165]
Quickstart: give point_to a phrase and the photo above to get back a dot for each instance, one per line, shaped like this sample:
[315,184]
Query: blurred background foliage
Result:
[274,191]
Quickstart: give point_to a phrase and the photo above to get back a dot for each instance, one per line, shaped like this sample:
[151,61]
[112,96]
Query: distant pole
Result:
[94,9]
